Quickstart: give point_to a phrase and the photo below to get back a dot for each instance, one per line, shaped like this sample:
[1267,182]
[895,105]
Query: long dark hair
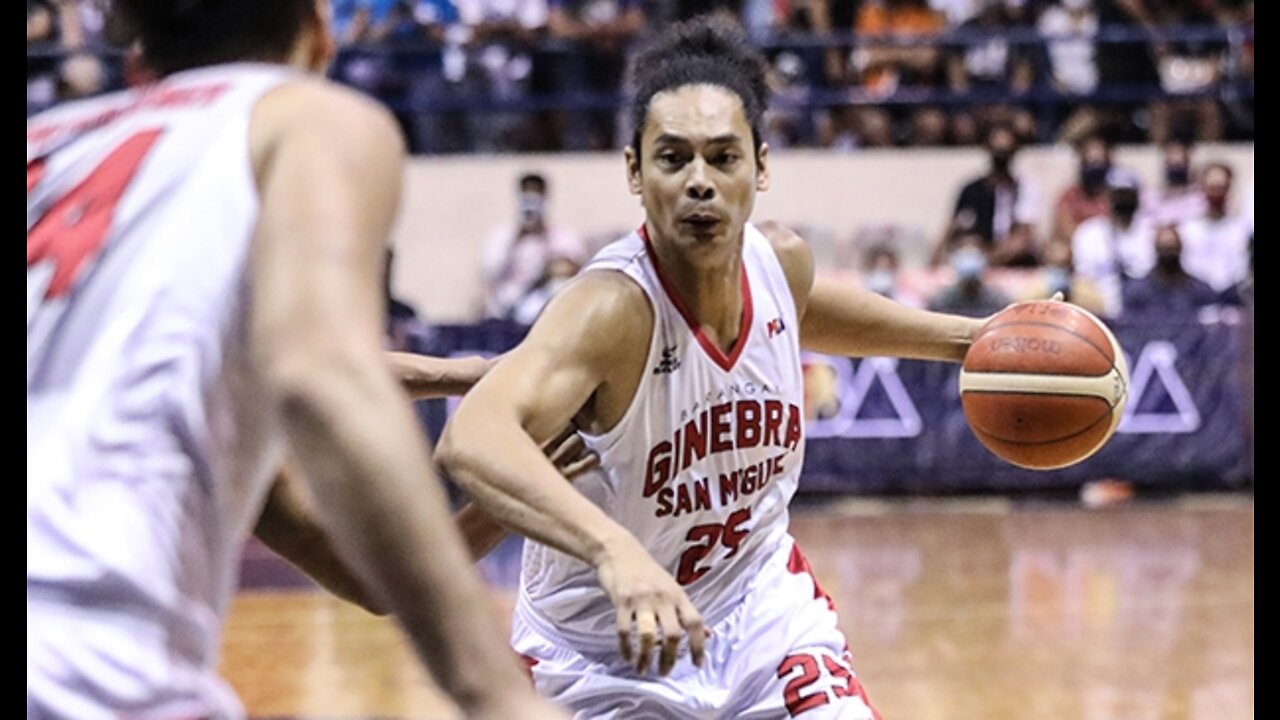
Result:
[181,34]
[706,50]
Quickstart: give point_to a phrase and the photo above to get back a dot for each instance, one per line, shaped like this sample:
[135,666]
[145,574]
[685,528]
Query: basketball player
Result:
[677,353]
[203,262]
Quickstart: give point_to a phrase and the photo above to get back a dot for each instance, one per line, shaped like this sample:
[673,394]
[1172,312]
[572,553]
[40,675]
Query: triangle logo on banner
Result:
[874,402]
[1159,401]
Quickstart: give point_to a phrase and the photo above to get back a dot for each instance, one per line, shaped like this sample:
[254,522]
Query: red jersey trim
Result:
[726,362]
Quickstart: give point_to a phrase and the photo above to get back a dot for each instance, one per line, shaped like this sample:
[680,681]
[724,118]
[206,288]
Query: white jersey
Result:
[147,456]
[703,464]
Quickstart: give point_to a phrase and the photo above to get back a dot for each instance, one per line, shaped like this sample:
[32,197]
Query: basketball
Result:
[1044,384]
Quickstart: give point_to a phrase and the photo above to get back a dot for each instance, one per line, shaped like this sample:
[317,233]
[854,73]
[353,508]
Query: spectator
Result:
[1087,197]
[42,70]
[498,36]
[1190,73]
[601,31]
[999,207]
[1216,244]
[970,294]
[59,32]
[991,66]
[883,68]
[1126,63]
[517,258]
[1070,28]
[1114,247]
[881,275]
[1178,199]
[1168,290]
[1058,274]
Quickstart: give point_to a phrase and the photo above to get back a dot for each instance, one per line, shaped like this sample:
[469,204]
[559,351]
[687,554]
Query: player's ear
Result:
[762,167]
[633,170]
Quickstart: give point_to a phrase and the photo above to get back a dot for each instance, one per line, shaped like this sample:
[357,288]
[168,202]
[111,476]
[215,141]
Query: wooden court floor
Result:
[956,610]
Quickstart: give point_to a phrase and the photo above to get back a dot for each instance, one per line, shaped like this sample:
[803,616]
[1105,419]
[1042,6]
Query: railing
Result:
[400,64]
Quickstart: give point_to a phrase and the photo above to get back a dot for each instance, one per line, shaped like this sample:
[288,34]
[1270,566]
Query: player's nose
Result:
[697,185]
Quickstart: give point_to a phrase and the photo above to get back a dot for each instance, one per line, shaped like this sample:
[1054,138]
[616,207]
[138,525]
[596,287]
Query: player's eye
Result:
[670,158]
[726,159]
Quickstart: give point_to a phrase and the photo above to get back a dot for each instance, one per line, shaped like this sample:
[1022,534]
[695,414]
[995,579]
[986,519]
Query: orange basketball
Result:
[1044,384]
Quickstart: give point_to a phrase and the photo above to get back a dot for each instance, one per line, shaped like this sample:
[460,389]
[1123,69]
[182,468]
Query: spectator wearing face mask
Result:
[999,206]
[1216,244]
[1178,198]
[517,257]
[880,275]
[1168,290]
[1058,275]
[970,294]
[1087,197]
[1114,247]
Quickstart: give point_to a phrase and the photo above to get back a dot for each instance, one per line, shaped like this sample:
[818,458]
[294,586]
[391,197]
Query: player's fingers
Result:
[691,619]
[625,616]
[669,621]
[567,449]
[550,446]
[646,636]
[589,461]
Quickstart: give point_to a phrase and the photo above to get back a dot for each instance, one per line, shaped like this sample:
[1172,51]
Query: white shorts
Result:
[778,655]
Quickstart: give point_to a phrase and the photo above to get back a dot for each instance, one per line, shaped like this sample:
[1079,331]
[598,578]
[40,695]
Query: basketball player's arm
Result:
[328,165]
[840,319]
[425,377]
[593,329]
[290,525]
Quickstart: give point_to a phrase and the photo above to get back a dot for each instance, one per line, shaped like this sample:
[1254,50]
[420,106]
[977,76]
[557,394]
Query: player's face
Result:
[697,172]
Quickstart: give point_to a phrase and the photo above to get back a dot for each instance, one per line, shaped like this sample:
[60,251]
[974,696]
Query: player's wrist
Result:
[612,546]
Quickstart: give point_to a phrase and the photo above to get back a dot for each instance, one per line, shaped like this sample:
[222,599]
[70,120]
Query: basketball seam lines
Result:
[1035,323]
[1077,433]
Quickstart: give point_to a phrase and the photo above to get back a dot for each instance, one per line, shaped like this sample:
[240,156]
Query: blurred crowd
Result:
[1180,249]
[512,75]
[547,75]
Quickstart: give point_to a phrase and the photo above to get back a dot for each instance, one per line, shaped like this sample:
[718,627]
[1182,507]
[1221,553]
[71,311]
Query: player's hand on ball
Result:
[652,608]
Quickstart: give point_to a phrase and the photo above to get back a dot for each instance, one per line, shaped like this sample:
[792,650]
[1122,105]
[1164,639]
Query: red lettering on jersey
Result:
[684,503]
[749,477]
[772,422]
[720,432]
[35,171]
[658,469]
[73,229]
[695,441]
[729,488]
[734,533]
[794,431]
[664,502]
[748,421]
[702,494]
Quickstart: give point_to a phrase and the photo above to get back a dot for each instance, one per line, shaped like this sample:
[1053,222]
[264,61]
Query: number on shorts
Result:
[845,685]
[71,232]
[730,535]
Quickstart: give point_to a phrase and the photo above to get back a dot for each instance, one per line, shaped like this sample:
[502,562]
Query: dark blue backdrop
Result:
[897,426]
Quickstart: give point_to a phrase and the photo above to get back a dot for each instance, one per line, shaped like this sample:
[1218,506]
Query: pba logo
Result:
[776,327]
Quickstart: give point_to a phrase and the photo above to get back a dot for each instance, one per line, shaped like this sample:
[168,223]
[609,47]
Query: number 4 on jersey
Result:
[73,229]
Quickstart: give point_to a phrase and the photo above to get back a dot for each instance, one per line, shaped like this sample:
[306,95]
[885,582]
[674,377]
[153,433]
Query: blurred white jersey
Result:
[148,451]
[704,463]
